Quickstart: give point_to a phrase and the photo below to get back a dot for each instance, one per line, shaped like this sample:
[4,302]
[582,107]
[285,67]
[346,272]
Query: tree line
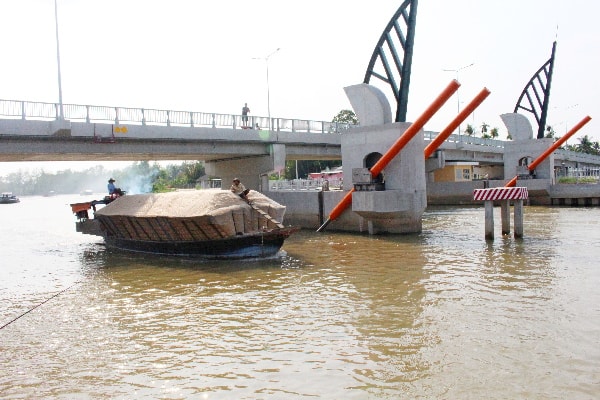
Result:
[140,177]
[585,145]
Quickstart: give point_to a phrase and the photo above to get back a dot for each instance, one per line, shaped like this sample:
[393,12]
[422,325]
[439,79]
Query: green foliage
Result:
[185,175]
[585,145]
[346,117]
[140,177]
[484,130]
[574,179]
[469,130]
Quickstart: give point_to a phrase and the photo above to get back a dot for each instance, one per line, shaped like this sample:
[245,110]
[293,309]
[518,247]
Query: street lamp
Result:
[60,101]
[268,91]
[457,97]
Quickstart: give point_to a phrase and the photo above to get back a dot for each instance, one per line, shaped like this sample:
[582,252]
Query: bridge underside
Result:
[52,148]
[79,149]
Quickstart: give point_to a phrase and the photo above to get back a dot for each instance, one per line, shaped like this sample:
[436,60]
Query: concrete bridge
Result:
[34,131]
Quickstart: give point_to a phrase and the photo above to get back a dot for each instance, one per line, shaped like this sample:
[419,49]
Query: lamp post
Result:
[268,90]
[457,96]
[60,101]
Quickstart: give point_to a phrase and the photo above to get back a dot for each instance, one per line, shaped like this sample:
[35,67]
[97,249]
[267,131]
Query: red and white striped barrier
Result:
[501,193]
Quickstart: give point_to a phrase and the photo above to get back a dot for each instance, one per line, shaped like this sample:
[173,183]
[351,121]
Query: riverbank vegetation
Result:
[140,177]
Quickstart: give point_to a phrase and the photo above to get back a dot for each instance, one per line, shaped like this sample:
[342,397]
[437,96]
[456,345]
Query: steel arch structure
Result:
[400,31]
[536,94]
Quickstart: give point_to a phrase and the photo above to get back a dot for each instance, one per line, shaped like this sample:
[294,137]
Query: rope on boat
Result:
[36,306]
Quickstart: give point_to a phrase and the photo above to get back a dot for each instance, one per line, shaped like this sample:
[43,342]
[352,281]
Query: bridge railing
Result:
[467,139]
[29,110]
[304,184]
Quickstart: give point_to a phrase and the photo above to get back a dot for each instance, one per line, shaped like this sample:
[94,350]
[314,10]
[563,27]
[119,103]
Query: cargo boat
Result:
[209,223]
[8,198]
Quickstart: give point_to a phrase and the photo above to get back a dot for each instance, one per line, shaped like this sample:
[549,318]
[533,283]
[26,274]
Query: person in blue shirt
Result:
[112,189]
[111,186]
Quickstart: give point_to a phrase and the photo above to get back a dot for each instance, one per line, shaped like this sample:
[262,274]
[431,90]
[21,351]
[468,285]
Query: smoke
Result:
[140,182]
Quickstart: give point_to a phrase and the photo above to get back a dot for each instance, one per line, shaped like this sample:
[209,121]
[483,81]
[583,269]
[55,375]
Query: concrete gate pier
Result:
[393,201]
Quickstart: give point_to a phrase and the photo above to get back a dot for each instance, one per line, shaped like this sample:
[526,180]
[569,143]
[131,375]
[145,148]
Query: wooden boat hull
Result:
[258,245]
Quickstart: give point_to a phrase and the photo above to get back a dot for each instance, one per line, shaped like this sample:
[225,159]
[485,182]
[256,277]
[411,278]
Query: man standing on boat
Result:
[238,188]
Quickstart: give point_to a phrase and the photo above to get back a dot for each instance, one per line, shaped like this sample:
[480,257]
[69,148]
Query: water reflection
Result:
[383,282]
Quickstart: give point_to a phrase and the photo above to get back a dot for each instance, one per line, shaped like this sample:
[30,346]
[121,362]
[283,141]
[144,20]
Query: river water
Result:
[443,314]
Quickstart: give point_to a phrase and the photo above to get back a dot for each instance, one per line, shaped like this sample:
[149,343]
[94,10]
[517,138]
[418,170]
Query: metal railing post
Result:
[116,115]
[23,110]
[168,118]
[143,116]
[87,114]
[191,119]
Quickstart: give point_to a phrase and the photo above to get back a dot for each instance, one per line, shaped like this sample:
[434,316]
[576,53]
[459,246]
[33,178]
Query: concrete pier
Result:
[504,195]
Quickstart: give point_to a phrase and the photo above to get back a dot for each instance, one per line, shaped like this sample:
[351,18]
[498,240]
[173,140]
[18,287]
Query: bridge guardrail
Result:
[30,110]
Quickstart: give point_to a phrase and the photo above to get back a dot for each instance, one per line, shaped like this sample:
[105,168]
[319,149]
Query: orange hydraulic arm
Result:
[398,145]
[551,149]
[443,135]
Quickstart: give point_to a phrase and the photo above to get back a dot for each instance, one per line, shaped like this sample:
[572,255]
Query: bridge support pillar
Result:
[249,170]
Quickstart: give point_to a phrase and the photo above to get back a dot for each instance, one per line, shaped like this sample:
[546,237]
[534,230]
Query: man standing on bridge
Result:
[245,111]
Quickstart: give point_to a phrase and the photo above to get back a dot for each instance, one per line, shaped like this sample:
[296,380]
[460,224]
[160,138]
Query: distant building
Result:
[463,171]
[455,172]
[207,182]
[335,174]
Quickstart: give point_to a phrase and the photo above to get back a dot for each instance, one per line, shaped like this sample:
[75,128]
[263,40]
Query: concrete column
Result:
[519,218]
[249,170]
[505,216]
[489,219]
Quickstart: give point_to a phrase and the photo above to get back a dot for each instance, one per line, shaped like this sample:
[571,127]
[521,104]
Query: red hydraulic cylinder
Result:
[443,135]
[398,145]
[551,149]
[414,128]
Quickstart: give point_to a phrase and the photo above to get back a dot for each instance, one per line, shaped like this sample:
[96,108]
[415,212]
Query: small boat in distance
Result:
[86,192]
[8,198]
[208,223]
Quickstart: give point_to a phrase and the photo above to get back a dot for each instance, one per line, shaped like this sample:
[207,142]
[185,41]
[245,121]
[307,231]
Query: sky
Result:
[211,56]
